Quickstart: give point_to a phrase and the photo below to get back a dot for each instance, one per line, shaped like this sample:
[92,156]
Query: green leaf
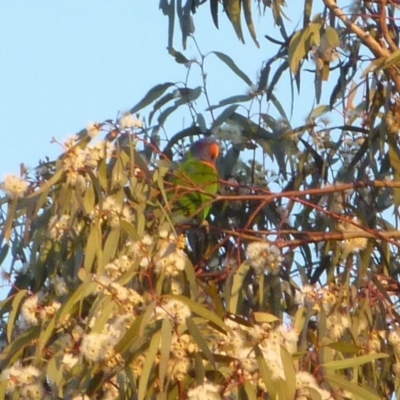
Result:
[297,51]
[231,64]
[47,185]
[111,246]
[261,317]
[332,36]
[158,104]
[148,366]
[360,392]
[200,310]
[344,347]
[153,94]
[249,20]
[354,361]
[146,318]
[214,11]
[319,111]
[232,9]
[250,391]
[231,100]
[199,339]
[166,340]
[44,337]
[108,309]
[237,286]
[89,199]
[10,219]
[290,373]
[129,229]
[84,290]
[93,245]
[3,253]
[15,306]
[20,343]
[130,336]
[225,115]
[179,57]
[265,374]
[54,371]
[3,388]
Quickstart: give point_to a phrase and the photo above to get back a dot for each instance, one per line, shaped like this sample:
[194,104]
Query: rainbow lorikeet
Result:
[196,181]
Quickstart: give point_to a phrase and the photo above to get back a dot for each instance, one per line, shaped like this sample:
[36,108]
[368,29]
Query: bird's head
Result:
[206,150]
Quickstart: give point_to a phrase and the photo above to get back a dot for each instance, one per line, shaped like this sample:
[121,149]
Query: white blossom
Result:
[14,186]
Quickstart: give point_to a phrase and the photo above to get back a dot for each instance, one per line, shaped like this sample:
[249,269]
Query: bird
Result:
[196,181]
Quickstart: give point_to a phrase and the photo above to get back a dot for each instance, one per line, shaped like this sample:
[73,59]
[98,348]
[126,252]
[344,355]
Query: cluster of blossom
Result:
[165,254]
[182,346]
[128,299]
[231,131]
[112,212]
[205,391]
[33,311]
[353,245]
[26,380]
[14,186]
[142,250]
[339,320]
[259,174]
[170,257]
[99,348]
[118,267]
[58,226]
[264,257]
[174,310]
[127,121]
[392,118]
[394,340]
[239,343]
[304,382]
[324,52]
[335,202]
[77,158]
[181,360]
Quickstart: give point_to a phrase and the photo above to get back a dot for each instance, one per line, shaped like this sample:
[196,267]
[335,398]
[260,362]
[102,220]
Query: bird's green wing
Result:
[195,184]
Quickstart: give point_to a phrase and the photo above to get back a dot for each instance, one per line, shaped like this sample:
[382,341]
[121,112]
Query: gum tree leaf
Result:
[148,365]
[153,94]
[15,307]
[231,64]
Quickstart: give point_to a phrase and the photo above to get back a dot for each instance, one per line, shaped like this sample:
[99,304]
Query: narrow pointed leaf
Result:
[214,11]
[148,366]
[15,306]
[231,64]
[249,20]
[354,361]
[153,94]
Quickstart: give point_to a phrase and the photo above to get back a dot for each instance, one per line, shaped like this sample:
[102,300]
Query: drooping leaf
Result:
[358,391]
[153,94]
[231,64]
[214,11]
[148,366]
[230,100]
[354,361]
[15,306]
[201,342]
[225,115]
[249,20]
[233,11]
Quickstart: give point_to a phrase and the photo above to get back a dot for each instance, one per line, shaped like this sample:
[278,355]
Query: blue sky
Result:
[65,64]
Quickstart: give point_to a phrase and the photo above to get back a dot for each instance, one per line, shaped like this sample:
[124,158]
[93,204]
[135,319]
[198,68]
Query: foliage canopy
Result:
[289,290]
